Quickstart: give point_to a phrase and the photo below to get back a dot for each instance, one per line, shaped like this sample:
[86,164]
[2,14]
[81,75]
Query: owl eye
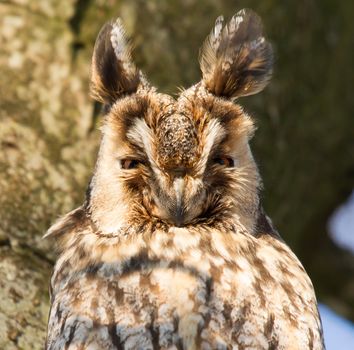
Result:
[129,163]
[225,161]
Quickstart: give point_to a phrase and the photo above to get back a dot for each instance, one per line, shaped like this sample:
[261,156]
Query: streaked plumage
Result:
[172,249]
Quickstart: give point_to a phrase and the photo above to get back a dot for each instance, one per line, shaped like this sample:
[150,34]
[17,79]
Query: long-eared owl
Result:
[172,249]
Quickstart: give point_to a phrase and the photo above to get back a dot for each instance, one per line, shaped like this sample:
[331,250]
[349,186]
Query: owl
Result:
[171,248]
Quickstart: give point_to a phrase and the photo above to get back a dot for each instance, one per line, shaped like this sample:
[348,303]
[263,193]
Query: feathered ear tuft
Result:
[236,60]
[113,74]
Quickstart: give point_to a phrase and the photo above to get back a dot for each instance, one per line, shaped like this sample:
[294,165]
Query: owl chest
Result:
[206,305]
[199,291]
[187,269]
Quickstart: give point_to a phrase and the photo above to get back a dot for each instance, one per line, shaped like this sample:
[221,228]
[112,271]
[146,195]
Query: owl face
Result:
[183,161]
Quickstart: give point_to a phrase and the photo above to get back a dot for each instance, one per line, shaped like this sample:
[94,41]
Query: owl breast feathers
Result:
[171,249]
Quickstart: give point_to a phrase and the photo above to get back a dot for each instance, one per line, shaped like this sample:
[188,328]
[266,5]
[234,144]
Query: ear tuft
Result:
[236,60]
[113,74]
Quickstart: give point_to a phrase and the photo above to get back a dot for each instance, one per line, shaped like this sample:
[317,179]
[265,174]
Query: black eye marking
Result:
[225,161]
[129,163]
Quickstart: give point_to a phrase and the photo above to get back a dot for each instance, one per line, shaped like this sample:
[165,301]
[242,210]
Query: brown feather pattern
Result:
[176,252]
[236,60]
[112,73]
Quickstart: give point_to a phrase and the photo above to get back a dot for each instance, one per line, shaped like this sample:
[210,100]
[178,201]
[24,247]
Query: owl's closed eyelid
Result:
[129,163]
[221,152]
[225,161]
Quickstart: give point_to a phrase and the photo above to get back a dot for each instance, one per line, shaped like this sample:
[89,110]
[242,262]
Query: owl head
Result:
[179,161]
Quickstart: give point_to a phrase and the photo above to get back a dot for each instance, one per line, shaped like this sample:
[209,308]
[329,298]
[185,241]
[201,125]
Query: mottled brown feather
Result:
[236,60]
[176,251]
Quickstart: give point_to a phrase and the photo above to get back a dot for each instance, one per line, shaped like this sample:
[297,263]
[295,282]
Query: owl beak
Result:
[187,201]
[182,202]
[179,212]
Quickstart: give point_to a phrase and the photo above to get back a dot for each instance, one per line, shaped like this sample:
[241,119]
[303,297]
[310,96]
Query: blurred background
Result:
[49,134]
